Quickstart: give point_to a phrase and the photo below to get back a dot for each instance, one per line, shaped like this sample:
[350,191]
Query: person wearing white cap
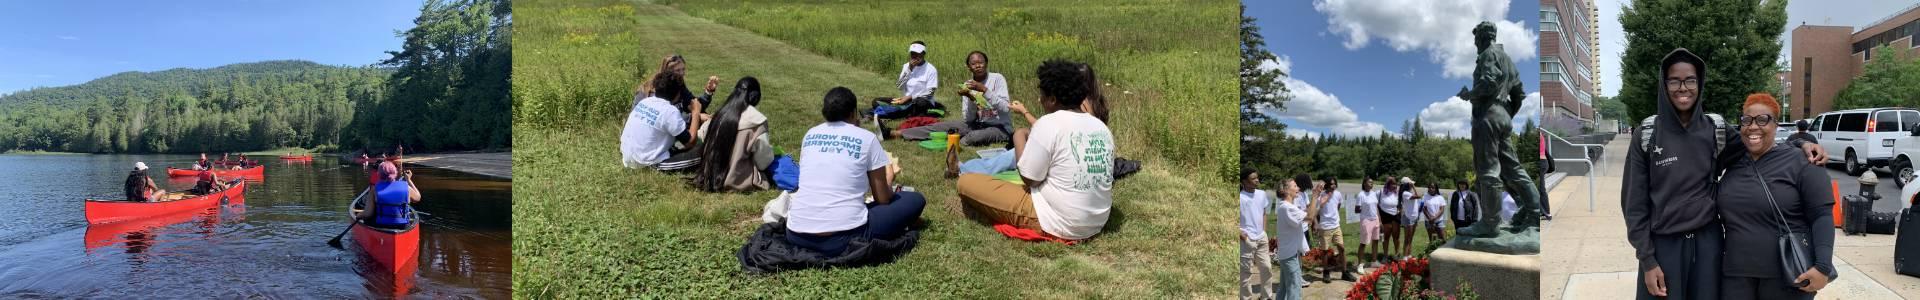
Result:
[139,187]
[917,81]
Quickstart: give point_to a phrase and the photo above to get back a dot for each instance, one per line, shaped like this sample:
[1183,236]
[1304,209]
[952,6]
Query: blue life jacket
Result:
[390,204]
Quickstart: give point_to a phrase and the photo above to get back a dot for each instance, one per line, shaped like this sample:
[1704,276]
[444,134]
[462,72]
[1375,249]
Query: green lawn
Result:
[587,228]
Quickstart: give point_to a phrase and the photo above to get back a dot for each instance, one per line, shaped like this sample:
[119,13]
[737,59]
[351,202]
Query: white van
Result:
[1905,151]
[1863,138]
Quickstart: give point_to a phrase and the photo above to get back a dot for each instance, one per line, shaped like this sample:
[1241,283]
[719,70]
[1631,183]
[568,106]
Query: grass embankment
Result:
[586,227]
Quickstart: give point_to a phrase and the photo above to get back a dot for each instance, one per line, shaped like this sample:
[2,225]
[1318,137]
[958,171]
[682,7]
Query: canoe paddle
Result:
[335,242]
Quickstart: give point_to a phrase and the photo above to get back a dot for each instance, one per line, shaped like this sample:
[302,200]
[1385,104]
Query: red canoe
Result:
[253,173]
[110,211]
[394,250]
[296,157]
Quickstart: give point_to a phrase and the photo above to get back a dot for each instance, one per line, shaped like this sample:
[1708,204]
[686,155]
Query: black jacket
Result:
[1805,201]
[1464,201]
[767,251]
[1667,191]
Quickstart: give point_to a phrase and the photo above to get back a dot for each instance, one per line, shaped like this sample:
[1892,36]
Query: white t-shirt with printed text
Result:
[648,134]
[1071,154]
[834,159]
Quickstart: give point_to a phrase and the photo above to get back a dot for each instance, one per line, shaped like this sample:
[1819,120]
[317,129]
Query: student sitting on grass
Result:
[841,164]
[917,81]
[983,109]
[1064,161]
[676,67]
[654,127]
[736,160]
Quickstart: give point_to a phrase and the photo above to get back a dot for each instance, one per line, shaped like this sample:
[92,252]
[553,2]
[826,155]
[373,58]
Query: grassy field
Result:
[586,227]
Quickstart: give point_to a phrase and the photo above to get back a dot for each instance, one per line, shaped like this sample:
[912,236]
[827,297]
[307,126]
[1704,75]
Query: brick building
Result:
[1825,58]
[1568,64]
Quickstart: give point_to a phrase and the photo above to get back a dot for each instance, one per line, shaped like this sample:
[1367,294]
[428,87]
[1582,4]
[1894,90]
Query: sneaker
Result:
[882,126]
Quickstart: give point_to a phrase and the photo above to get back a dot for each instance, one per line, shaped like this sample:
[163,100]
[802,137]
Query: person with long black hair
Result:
[735,159]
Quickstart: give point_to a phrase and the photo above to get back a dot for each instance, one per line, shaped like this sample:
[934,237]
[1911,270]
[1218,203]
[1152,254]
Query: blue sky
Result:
[58,43]
[1361,66]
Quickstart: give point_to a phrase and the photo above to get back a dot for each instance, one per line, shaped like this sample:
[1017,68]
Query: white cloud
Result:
[1451,117]
[1280,62]
[1529,110]
[69,37]
[1314,107]
[1441,28]
[1300,133]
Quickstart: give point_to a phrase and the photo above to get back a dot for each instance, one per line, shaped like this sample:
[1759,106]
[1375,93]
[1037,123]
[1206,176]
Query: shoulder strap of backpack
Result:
[1719,132]
[1646,134]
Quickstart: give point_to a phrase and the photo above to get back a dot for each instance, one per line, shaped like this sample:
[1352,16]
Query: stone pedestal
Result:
[1492,276]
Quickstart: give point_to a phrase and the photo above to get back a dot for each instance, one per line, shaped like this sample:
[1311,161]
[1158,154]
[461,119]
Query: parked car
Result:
[1780,134]
[1863,138]
[1906,150]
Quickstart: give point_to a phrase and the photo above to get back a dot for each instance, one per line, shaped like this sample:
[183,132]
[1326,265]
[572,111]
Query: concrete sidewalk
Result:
[1586,255]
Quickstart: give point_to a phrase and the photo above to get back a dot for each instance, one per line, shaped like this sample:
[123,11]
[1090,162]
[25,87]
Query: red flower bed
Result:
[1402,271]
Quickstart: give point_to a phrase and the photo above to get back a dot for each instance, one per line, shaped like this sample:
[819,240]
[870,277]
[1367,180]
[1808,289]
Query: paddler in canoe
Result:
[208,184]
[140,187]
[202,165]
[392,198]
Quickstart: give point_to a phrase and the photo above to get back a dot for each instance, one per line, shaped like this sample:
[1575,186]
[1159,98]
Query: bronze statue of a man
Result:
[1496,94]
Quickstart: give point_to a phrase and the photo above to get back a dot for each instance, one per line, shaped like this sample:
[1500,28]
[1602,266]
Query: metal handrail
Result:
[1586,156]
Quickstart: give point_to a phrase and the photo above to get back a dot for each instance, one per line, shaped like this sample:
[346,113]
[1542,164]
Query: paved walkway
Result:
[491,164]
[1586,254]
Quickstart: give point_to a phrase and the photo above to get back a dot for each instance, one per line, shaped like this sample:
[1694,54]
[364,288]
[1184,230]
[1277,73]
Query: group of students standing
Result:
[846,187]
[1389,217]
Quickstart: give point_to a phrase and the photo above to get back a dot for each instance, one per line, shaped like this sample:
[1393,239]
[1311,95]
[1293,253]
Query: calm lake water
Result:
[273,245]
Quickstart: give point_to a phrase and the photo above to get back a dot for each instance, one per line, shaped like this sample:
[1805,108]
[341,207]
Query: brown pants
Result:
[998,201]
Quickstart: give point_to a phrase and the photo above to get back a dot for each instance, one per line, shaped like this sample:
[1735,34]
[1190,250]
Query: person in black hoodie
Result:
[1767,191]
[1666,198]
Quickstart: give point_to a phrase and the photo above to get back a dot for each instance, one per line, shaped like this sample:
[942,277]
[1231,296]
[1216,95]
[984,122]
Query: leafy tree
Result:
[1263,139]
[446,89]
[1612,108]
[1892,78]
[1739,39]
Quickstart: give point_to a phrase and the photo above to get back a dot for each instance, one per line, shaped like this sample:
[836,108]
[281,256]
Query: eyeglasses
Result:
[1756,121]
[1689,83]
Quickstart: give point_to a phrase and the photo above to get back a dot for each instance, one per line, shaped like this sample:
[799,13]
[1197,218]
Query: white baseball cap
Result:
[917,48]
[140,166]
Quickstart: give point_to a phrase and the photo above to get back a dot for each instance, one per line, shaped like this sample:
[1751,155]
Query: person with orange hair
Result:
[1772,191]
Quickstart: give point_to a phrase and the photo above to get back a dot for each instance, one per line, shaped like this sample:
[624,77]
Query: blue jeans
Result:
[884,221]
[1289,280]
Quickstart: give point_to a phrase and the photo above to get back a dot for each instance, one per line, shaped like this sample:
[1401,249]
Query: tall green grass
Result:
[1172,64]
[586,227]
